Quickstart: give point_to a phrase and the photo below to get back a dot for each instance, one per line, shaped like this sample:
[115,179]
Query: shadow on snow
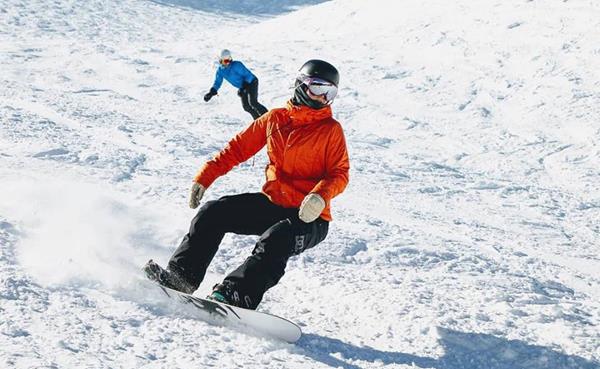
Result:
[248,7]
[461,350]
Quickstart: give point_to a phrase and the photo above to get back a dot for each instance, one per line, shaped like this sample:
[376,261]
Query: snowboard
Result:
[261,323]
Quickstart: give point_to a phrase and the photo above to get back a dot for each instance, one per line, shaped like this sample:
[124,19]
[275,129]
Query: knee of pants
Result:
[273,243]
[253,100]
[245,104]
[287,238]
[211,212]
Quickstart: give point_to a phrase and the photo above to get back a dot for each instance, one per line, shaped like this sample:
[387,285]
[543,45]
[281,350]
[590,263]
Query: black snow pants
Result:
[282,235]
[249,96]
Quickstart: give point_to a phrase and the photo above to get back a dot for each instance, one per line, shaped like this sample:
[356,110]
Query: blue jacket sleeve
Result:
[218,79]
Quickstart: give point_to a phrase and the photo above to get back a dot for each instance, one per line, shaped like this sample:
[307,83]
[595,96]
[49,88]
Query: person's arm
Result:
[218,80]
[337,167]
[241,148]
[216,85]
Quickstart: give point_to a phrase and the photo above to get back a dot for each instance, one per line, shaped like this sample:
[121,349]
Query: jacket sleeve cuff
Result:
[203,179]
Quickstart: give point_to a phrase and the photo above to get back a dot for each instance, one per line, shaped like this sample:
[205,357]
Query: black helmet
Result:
[314,69]
[320,69]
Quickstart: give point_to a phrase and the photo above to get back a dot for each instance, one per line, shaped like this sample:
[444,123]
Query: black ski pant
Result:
[282,235]
[249,96]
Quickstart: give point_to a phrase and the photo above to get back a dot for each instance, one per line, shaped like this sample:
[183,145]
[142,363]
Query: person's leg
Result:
[246,285]
[258,108]
[245,97]
[249,213]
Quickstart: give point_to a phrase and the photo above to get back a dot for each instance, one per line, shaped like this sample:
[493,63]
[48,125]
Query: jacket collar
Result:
[302,114]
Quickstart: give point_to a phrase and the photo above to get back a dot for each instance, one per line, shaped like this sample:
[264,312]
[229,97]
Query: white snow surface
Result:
[468,236]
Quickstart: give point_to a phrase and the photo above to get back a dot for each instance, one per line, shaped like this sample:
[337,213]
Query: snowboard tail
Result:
[262,323]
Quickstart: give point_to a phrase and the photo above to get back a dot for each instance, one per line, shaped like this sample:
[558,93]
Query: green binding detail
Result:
[217,296]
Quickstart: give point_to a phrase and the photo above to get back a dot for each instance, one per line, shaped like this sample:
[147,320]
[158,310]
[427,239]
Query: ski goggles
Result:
[319,87]
[225,61]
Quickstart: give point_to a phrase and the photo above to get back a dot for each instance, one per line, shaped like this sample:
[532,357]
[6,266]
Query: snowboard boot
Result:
[167,277]
[220,293]
[225,293]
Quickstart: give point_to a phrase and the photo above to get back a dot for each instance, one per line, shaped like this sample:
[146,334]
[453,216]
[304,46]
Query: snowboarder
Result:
[308,166]
[236,73]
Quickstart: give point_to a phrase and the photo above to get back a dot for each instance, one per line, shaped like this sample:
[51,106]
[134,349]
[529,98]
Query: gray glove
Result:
[312,206]
[196,194]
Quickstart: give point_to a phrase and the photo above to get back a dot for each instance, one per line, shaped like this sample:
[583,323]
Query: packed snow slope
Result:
[468,237]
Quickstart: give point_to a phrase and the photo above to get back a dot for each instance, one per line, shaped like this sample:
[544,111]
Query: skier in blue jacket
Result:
[236,73]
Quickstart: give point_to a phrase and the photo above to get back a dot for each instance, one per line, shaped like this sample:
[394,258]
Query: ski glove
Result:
[196,194]
[312,206]
[210,94]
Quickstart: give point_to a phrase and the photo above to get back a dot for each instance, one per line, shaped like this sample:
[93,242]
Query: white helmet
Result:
[225,55]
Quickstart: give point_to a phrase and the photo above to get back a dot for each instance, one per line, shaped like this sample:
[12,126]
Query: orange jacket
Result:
[307,153]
